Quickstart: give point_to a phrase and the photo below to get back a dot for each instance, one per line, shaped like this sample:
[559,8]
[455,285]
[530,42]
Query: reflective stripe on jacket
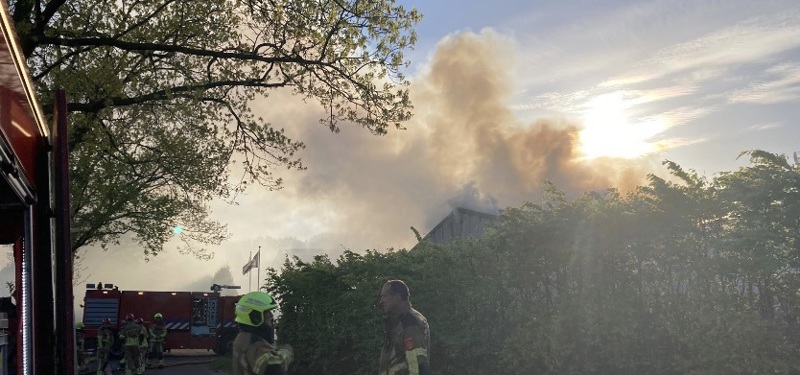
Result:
[405,345]
[131,333]
[104,339]
[158,333]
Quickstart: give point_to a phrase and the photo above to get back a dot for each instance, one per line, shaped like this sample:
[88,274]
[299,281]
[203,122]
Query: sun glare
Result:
[608,132]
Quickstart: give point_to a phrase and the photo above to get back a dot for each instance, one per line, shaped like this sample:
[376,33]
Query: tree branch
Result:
[146,19]
[141,46]
[165,94]
[59,62]
[47,14]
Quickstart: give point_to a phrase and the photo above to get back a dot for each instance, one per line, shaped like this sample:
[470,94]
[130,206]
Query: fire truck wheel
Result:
[225,344]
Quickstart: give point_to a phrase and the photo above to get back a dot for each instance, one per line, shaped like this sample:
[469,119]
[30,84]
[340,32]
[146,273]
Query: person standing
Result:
[158,334]
[131,334]
[254,350]
[80,343]
[144,344]
[407,340]
[105,339]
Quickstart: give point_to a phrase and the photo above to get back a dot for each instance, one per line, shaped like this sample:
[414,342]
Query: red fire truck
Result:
[194,320]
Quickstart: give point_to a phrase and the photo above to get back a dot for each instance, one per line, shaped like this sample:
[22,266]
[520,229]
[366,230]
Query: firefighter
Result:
[144,344]
[105,339]
[131,334]
[80,343]
[158,333]
[254,351]
[406,334]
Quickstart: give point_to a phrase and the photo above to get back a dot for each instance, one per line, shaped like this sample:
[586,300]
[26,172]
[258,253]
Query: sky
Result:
[587,94]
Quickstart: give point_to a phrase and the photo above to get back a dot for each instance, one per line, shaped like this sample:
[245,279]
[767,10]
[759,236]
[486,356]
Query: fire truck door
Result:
[204,316]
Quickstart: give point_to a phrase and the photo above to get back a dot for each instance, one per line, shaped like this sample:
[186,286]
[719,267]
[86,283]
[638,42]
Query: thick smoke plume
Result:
[464,147]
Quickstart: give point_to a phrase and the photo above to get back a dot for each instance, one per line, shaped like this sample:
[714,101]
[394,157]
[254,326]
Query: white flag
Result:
[252,263]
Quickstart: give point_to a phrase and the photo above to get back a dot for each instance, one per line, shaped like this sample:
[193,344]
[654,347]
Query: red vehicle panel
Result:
[194,320]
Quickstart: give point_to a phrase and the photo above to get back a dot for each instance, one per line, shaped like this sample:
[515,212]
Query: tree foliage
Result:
[683,276]
[161,94]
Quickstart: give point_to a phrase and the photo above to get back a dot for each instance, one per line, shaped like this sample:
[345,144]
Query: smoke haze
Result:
[464,147]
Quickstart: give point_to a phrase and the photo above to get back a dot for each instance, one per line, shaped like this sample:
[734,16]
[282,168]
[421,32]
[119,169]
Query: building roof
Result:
[462,223]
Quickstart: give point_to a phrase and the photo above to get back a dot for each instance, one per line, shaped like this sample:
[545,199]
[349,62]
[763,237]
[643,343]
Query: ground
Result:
[179,362]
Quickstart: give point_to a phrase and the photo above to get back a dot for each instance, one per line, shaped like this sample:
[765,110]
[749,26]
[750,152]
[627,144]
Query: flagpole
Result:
[259,269]
[250,274]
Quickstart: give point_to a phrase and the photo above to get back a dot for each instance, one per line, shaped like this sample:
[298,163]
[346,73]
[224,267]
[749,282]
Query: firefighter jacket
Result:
[145,335]
[79,340]
[252,355]
[158,333]
[104,339]
[405,345]
[131,334]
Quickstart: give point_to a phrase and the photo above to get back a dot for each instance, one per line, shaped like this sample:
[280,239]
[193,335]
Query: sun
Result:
[608,132]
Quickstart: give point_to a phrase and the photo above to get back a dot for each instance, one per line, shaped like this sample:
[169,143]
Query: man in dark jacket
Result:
[407,339]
